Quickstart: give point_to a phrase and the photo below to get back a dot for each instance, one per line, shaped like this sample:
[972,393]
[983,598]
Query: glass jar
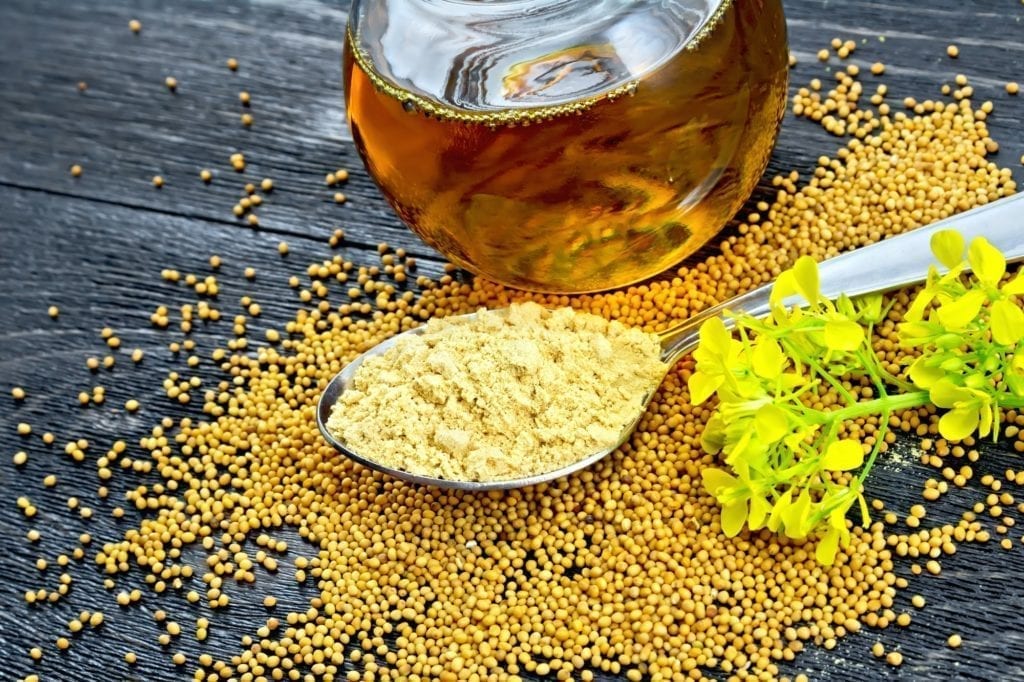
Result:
[565,145]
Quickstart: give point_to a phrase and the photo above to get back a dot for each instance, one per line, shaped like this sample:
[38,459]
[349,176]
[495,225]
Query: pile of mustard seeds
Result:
[620,568]
[507,394]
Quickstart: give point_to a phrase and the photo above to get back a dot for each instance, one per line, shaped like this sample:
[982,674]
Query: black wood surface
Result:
[94,246]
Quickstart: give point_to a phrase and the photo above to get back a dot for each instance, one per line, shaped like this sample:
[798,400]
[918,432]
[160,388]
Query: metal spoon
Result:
[888,264]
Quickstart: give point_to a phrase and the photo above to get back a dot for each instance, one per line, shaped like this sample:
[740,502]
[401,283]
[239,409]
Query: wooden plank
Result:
[109,275]
[127,127]
[94,246]
[101,265]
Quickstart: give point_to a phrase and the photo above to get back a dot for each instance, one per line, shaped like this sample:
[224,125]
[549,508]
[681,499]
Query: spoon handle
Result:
[885,265]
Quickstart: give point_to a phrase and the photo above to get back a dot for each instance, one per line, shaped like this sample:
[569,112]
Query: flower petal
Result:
[805,273]
[958,313]
[843,335]
[703,385]
[923,375]
[1007,321]
[827,547]
[987,261]
[733,516]
[959,423]
[717,479]
[948,247]
[843,455]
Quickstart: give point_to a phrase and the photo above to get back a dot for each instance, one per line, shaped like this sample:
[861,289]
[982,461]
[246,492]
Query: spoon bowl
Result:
[891,263]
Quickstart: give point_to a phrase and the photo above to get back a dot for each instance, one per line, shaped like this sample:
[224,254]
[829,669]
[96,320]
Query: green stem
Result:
[888,403]
[831,380]
[879,439]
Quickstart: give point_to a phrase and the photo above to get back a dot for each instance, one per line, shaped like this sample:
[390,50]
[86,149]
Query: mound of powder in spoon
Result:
[506,394]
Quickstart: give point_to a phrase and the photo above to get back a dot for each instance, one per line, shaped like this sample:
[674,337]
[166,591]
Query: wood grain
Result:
[95,246]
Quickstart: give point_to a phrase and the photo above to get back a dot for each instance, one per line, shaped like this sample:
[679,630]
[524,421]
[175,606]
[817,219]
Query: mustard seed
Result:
[1012,88]
[18,393]
[232,63]
[76,170]
[158,181]
[172,83]
[267,185]
[282,248]
[244,97]
[205,175]
[130,658]
[19,458]
[135,25]
[339,198]
[247,119]
[953,51]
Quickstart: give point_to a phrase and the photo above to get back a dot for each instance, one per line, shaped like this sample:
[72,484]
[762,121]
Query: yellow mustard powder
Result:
[507,394]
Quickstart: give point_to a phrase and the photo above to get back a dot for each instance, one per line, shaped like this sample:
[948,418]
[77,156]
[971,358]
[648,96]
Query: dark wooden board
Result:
[95,246]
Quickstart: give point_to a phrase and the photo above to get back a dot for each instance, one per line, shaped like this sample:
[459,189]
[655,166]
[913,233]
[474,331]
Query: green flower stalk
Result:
[786,469]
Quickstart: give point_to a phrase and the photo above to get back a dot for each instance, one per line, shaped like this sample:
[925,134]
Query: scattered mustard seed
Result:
[20,458]
[1012,88]
[132,405]
[18,393]
[172,83]
[130,658]
[266,184]
[158,181]
[953,51]
[135,25]
[205,175]
[339,198]
[76,170]
[282,248]
[232,63]
[247,119]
